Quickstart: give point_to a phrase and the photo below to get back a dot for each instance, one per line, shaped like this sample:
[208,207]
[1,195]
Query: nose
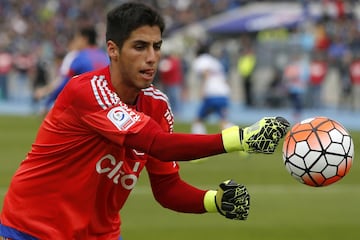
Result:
[152,56]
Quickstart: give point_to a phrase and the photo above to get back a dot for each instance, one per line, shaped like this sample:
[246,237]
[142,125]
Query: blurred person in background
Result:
[62,63]
[171,76]
[24,63]
[215,90]
[246,66]
[354,70]
[339,58]
[318,72]
[85,55]
[108,125]
[296,77]
[40,77]
[5,70]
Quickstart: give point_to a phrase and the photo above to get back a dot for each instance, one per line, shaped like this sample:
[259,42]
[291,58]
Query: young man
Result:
[105,127]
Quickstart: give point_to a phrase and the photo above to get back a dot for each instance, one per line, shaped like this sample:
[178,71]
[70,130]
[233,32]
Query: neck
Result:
[126,93]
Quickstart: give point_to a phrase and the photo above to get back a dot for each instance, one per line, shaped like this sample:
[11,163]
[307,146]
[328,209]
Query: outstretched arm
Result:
[261,137]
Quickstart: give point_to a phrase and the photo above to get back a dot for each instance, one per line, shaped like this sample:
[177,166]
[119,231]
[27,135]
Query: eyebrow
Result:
[146,42]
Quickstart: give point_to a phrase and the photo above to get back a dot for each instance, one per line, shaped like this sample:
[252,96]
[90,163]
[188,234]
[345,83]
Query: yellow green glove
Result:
[231,200]
[261,137]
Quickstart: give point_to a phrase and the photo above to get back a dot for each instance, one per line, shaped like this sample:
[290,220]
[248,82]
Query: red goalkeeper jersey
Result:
[78,145]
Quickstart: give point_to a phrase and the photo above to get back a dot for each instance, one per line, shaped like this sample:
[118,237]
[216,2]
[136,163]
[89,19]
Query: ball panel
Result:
[336,136]
[301,135]
[336,148]
[311,158]
[313,141]
[289,148]
[308,180]
[341,128]
[348,165]
[293,168]
[334,159]
[324,138]
[330,171]
[331,180]
[302,148]
[326,125]
[342,167]
[313,179]
[319,121]
[347,143]
[319,165]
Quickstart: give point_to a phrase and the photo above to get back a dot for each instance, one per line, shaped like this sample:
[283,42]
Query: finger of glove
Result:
[239,207]
[283,125]
[283,121]
[237,215]
[233,193]
[242,216]
[228,185]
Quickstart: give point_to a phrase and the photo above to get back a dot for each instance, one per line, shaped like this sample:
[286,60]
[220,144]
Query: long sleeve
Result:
[174,146]
[173,193]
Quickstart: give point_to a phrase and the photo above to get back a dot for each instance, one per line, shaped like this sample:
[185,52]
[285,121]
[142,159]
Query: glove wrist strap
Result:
[209,201]
[231,139]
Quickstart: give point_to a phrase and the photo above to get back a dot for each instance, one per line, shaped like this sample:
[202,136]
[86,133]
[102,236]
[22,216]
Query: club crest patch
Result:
[121,118]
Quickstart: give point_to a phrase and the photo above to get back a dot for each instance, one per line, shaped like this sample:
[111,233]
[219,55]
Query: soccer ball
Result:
[318,151]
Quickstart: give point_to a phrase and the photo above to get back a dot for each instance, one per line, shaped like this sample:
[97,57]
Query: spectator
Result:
[172,78]
[215,91]
[295,77]
[24,63]
[339,57]
[355,81]
[89,57]
[5,69]
[318,72]
[62,64]
[246,66]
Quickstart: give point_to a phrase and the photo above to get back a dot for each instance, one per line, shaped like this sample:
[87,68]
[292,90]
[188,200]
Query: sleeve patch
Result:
[121,118]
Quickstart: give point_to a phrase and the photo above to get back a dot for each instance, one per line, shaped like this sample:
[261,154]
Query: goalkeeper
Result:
[106,127]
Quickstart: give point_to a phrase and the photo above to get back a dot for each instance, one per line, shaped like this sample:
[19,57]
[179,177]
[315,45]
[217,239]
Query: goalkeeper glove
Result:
[261,137]
[231,200]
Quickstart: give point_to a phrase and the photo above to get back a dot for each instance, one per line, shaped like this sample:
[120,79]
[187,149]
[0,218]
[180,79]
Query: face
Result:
[138,59]
[79,42]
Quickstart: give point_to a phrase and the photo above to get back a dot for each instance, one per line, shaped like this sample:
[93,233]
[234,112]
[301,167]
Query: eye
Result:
[157,46]
[140,47]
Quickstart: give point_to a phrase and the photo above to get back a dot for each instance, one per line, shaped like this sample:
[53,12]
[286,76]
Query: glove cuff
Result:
[231,139]
[209,201]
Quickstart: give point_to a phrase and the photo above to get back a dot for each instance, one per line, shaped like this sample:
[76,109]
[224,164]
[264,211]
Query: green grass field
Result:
[281,208]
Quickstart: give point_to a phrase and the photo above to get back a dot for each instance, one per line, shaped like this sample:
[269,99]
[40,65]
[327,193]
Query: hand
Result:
[264,135]
[233,200]
[261,137]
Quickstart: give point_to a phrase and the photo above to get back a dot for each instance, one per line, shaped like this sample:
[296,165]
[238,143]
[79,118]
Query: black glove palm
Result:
[233,200]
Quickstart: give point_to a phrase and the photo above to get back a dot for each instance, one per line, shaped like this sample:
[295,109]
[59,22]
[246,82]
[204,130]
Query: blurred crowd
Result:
[35,34]
[316,63]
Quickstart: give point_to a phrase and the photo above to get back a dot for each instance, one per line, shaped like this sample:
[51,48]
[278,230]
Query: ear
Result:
[113,50]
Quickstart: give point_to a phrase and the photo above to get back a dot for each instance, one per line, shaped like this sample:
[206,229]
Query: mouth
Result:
[148,74]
